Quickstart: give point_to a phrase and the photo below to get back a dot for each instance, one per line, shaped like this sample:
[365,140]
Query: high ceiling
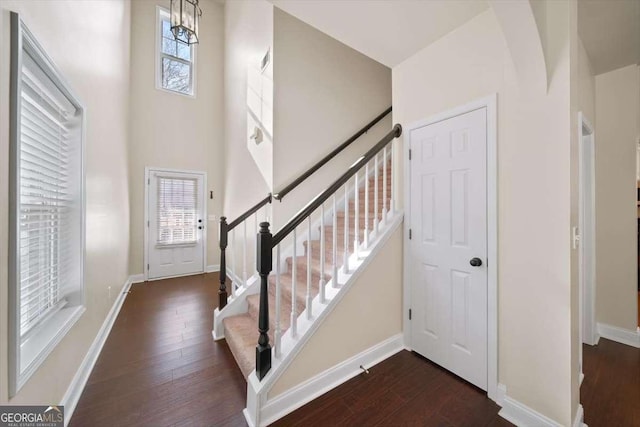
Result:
[388,31]
[610,32]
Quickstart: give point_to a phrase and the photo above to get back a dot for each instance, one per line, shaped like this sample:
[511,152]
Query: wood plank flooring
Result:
[610,392]
[160,365]
[404,390]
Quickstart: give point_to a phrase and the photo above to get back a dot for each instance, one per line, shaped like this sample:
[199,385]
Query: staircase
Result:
[241,330]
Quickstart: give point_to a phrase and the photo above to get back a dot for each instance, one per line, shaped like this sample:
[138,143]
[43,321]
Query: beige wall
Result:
[248,32]
[324,92]
[175,131]
[618,127]
[534,277]
[380,285]
[94,58]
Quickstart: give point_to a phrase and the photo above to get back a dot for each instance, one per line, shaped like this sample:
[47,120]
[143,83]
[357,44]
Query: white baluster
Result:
[255,248]
[345,267]
[366,206]
[234,279]
[309,296]
[384,184]
[375,196]
[393,189]
[334,254]
[322,283]
[277,332]
[294,310]
[244,254]
[356,217]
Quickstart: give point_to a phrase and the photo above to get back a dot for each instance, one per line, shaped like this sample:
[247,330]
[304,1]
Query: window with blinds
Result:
[177,210]
[47,217]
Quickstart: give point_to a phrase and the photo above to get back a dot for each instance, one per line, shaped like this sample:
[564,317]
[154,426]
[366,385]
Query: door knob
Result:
[475,262]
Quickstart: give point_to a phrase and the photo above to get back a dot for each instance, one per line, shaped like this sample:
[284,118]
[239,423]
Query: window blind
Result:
[45,197]
[177,210]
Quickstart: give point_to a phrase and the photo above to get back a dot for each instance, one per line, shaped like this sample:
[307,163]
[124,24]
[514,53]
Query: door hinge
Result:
[148,181]
[147,223]
[409,154]
[409,314]
[147,267]
[410,234]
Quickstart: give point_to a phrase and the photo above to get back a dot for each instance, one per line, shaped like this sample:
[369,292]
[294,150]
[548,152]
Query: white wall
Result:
[174,131]
[324,92]
[534,277]
[618,127]
[94,58]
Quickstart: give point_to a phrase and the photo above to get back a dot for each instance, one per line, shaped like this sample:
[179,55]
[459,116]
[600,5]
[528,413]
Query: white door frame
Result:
[588,331]
[490,103]
[147,177]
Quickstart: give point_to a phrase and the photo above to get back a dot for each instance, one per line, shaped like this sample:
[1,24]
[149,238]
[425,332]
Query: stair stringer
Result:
[262,410]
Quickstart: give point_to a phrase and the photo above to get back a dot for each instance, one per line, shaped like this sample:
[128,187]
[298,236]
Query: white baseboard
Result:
[214,268]
[578,421]
[74,391]
[621,335]
[520,414]
[302,394]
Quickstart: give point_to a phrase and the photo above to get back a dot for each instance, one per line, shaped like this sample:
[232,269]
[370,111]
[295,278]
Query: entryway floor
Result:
[160,365]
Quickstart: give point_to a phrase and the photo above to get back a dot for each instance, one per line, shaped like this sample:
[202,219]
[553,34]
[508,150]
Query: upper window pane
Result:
[184,51]
[169,46]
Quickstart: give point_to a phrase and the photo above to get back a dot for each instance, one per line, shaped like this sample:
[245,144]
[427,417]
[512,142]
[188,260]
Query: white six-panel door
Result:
[448,216]
[175,215]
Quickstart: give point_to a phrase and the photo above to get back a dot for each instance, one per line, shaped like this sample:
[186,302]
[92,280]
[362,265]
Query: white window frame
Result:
[163,14]
[26,356]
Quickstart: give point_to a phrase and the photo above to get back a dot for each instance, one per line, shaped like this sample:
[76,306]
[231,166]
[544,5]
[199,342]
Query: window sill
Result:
[41,343]
[175,92]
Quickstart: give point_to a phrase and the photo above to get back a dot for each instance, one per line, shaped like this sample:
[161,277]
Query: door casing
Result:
[490,103]
[147,175]
[587,292]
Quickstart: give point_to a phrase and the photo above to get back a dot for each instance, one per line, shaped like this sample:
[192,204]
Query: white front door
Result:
[448,259]
[176,220]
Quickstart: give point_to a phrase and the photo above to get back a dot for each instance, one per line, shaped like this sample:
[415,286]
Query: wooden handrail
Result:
[322,197]
[286,190]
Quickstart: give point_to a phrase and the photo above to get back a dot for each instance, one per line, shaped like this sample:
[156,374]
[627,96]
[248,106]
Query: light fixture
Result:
[185,17]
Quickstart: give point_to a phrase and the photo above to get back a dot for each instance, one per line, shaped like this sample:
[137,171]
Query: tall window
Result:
[176,60]
[46,206]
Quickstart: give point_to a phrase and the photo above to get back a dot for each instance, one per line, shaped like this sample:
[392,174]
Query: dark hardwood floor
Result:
[404,390]
[610,392]
[160,365]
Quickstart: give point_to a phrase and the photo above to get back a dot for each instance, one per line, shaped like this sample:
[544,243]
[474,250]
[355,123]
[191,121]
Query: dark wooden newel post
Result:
[222,235]
[264,250]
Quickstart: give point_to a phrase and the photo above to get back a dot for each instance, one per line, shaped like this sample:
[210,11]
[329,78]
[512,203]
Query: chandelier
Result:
[185,17]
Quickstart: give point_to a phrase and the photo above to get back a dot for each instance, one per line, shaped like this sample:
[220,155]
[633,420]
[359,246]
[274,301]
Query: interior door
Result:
[175,238]
[448,258]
